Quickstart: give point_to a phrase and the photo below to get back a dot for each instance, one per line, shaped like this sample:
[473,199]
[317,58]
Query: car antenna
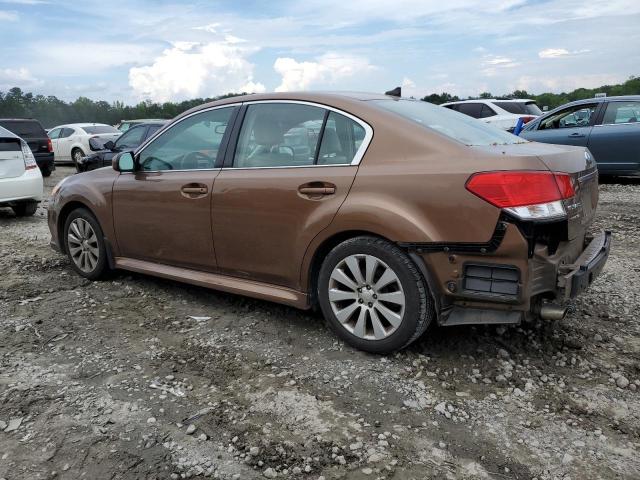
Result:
[396,92]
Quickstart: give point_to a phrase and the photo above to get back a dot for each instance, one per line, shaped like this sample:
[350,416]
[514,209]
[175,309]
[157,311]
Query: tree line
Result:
[52,111]
[551,100]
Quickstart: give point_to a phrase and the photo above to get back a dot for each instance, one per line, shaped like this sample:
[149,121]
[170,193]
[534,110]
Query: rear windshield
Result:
[520,108]
[24,129]
[98,129]
[454,125]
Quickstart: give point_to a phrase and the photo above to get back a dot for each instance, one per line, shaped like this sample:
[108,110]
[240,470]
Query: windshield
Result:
[520,108]
[454,125]
[98,129]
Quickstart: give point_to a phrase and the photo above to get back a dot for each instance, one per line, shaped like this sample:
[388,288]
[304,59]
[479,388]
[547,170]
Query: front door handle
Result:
[577,135]
[194,190]
[317,188]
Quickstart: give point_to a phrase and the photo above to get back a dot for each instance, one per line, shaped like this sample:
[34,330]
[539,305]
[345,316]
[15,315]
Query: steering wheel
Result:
[158,160]
[195,157]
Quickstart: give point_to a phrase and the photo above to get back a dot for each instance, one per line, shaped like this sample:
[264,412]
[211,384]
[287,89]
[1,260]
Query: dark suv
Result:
[31,131]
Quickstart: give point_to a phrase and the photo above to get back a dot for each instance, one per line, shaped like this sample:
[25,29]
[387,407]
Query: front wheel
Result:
[25,209]
[373,295]
[84,243]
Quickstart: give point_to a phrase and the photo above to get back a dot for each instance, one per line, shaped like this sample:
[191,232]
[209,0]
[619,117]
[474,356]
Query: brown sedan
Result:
[386,213]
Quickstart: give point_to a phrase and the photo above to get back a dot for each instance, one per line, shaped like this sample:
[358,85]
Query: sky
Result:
[170,51]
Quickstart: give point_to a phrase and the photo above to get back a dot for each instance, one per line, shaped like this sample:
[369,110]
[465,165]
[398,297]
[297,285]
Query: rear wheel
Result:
[373,295]
[25,209]
[84,243]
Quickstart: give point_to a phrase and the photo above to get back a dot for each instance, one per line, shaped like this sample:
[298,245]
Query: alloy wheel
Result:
[83,246]
[366,297]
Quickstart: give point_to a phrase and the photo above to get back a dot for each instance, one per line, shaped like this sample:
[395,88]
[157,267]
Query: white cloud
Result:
[559,52]
[8,16]
[564,83]
[17,77]
[493,63]
[328,68]
[191,69]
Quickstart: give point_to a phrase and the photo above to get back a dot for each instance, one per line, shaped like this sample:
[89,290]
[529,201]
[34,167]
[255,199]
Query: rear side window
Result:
[520,108]
[472,109]
[621,112]
[341,140]
[25,129]
[98,129]
[191,144]
[449,123]
[279,135]
[66,132]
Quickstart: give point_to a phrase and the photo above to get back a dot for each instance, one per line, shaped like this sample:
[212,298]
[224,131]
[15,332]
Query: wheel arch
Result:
[65,211]
[321,251]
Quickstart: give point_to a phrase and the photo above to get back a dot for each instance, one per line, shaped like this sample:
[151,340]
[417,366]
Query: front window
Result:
[98,129]
[452,124]
[131,139]
[191,144]
[573,117]
[621,112]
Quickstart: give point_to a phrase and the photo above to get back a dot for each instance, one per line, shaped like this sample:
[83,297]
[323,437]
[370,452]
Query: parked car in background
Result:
[503,114]
[396,214]
[129,140]
[125,125]
[21,186]
[71,142]
[608,126]
[31,131]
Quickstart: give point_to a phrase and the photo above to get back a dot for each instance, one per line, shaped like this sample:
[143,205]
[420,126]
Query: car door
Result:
[65,142]
[53,135]
[569,126]
[615,141]
[162,211]
[283,182]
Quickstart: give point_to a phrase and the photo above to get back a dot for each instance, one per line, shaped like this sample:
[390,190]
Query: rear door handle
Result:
[192,190]
[577,135]
[326,190]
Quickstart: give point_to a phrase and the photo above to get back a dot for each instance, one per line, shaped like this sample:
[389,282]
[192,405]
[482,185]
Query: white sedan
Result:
[21,186]
[503,114]
[71,142]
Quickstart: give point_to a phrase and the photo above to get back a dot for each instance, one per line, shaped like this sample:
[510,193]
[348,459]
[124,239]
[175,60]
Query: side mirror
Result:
[123,162]
[109,145]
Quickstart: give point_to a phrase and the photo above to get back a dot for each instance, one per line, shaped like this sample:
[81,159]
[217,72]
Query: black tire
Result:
[46,172]
[418,306]
[25,209]
[101,265]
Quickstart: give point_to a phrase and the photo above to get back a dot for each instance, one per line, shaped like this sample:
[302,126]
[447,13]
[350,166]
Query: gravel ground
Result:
[142,378]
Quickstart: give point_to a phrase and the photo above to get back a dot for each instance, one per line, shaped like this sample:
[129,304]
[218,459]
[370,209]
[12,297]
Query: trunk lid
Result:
[11,158]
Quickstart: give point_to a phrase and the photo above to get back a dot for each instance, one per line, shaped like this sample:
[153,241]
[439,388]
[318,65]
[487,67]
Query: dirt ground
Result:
[142,378]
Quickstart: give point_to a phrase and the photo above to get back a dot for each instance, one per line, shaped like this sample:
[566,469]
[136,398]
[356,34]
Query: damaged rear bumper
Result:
[575,278]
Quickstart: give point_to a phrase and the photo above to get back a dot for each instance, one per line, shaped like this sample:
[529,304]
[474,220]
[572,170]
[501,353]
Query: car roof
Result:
[320,97]
[605,99]
[515,100]
[80,125]
[19,120]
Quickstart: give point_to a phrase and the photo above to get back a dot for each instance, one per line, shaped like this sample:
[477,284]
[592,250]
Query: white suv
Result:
[503,114]
[21,186]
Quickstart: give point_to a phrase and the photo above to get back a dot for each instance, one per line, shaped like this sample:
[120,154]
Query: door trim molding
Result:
[239,286]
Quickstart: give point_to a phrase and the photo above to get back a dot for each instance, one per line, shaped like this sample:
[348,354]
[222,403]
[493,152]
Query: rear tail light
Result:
[49,145]
[29,159]
[528,195]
